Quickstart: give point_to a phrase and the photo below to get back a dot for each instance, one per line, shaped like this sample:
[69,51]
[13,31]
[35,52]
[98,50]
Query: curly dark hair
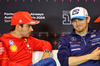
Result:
[12,28]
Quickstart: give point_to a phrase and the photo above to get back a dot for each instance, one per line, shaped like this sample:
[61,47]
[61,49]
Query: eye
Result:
[28,25]
[73,20]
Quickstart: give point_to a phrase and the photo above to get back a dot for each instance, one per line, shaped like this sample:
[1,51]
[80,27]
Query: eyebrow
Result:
[29,25]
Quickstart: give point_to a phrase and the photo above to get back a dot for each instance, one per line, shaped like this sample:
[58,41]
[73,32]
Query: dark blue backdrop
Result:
[53,14]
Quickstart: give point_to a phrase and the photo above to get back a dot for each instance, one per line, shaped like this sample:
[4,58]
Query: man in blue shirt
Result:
[82,46]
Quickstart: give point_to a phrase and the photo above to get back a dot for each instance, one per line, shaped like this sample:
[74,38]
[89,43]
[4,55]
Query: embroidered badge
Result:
[25,40]
[11,42]
[13,48]
[73,39]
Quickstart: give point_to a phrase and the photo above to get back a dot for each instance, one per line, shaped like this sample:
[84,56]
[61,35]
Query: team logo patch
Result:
[73,39]
[25,40]
[11,42]
[76,11]
[13,48]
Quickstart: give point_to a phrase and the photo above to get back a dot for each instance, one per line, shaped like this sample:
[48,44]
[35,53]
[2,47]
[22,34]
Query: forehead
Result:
[76,19]
[27,25]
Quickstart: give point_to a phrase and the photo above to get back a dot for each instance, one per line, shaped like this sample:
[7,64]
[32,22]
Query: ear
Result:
[18,27]
[88,19]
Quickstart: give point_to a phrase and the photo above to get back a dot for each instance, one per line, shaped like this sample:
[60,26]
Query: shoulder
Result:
[64,40]
[7,39]
[96,31]
[4,38]
[66,37]
[4,35]
[32,38]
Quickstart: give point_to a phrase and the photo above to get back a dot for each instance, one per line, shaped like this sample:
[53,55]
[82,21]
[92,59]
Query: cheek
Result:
[84,24]
[74,25]
[25,29]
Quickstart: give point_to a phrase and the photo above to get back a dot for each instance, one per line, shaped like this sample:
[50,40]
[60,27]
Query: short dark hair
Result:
[12,28]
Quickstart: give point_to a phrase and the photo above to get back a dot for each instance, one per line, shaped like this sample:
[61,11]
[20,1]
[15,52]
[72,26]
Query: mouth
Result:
[29,33]
[78,26]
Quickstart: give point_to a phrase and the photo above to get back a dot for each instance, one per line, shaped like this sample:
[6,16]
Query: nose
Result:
[77,23]
[31,29]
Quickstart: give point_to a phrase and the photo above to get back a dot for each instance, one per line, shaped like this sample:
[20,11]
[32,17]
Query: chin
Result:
[27,36]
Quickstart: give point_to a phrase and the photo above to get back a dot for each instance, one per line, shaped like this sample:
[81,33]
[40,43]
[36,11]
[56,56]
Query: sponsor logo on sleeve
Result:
[76,45]
[93,36]
[13,48]
[95,43]
[11,42]
[95,40]
[75,49]
[1,48]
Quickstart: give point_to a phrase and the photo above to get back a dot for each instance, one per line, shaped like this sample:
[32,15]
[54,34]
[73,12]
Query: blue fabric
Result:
[45,62]
[78,17]
[76,45]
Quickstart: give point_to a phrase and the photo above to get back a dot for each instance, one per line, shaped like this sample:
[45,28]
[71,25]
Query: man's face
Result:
[80,25]
[26,30]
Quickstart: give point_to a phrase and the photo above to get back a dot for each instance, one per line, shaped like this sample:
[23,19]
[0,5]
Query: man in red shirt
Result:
[16,47]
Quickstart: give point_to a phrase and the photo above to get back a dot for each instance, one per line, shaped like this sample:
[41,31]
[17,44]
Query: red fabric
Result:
[19,52]
[22,17]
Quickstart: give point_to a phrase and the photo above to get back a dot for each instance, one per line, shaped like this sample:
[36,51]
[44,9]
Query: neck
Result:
[15,34]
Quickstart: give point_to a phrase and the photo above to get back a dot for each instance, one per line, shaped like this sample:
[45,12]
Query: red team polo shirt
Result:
[18,52]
